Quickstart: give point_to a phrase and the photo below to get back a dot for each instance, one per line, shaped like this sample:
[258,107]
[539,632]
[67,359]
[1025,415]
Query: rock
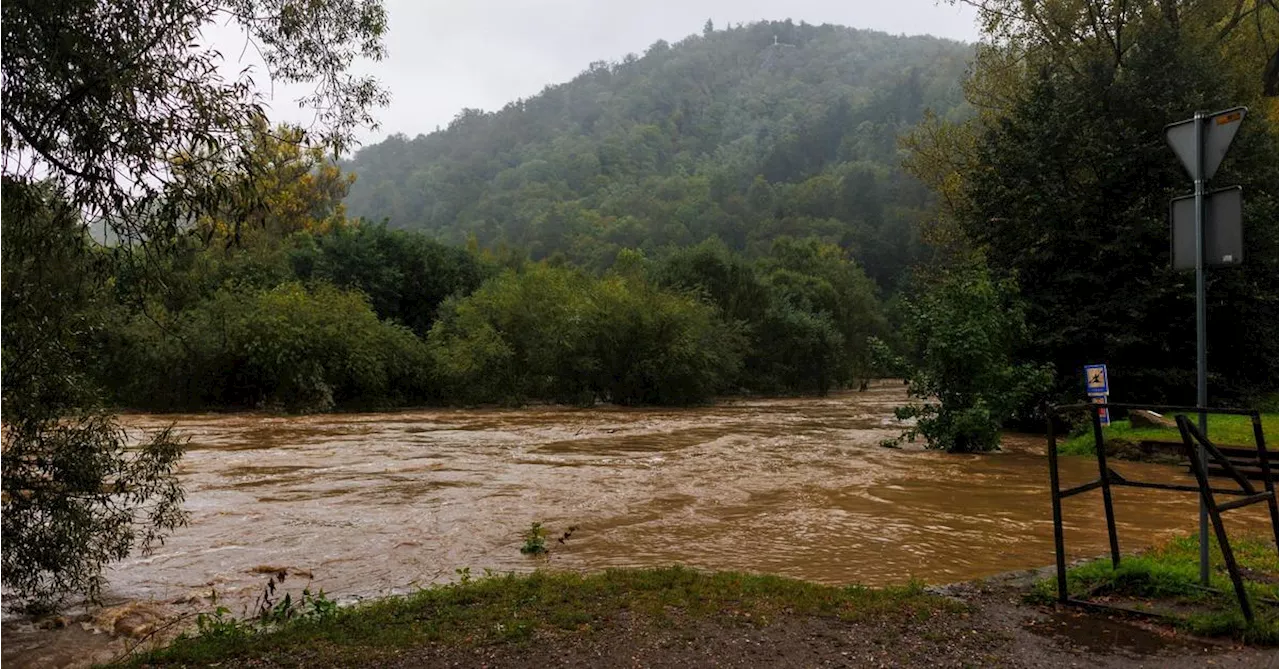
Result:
[1123,449]
[1140,418]
[193,597]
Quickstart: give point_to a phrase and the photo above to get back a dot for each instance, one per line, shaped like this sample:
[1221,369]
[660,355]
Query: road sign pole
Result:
[1200,143]
[1202,387]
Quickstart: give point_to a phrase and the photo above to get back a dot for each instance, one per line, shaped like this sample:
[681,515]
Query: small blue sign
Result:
[1095,380]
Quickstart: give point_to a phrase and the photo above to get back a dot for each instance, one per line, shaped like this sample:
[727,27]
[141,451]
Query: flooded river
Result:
[363,505]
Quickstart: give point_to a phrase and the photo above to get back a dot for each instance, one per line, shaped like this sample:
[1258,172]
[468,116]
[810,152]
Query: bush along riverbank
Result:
[361,317]
[681,617]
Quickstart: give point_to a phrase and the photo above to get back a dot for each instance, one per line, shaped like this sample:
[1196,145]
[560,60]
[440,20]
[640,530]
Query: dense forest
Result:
[743,134]
[305,309]
[722,215]
[361,316]
[742,211]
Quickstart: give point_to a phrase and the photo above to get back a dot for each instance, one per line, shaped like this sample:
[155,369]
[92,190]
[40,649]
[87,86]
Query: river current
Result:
[364,505]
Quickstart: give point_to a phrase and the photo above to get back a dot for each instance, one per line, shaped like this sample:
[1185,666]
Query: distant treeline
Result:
[360,316]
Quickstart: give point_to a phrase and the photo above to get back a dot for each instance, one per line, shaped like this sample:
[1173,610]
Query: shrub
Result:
[647,346]
[512,339]
[551,333]
[961,331]
[287,347]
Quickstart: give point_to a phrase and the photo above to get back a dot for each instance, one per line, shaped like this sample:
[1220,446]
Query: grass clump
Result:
[1166,579]
[1224,430]
[513,609]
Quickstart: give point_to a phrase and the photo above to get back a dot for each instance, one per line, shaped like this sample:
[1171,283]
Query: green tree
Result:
[1241,34]
[513,339]
[116,110]
[1063,181]
[280,185]
[106,96]
[804,313]
[553,333]
[961,332]
[820,279]
[285,347]
[75,494]
[405,274]
[649,346]
[716,274]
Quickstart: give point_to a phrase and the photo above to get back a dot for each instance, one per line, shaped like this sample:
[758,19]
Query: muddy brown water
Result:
[364,505]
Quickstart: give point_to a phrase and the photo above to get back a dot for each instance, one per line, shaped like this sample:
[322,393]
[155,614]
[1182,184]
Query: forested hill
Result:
[747,134]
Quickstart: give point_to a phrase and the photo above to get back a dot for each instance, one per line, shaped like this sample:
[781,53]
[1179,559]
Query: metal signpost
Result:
[1200,143]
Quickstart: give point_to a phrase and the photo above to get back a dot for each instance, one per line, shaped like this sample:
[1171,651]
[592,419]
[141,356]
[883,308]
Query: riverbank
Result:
[681,617]
[370,505]
[1165,580]
[1148,444]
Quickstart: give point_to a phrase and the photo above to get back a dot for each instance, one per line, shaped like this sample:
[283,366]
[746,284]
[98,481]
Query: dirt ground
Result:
[1000,630]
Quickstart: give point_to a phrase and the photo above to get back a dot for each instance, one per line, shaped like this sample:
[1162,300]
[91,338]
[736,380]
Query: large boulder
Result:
[1141,419]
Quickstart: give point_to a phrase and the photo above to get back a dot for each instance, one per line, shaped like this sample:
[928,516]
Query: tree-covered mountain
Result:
[745,134]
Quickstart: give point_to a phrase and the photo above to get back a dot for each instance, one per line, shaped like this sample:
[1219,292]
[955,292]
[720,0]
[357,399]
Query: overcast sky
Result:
[447,55]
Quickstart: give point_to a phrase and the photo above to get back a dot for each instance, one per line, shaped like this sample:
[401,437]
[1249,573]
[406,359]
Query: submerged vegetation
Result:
[960,336]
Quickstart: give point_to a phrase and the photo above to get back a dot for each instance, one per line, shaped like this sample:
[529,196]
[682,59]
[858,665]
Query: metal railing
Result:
[1193,440]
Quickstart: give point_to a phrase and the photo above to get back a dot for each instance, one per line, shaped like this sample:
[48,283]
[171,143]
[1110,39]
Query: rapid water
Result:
[364,505]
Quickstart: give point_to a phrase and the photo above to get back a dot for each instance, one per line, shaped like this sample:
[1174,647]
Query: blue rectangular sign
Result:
[1095,380]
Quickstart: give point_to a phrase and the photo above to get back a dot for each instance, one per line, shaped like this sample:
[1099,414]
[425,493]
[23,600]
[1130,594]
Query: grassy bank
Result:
[1166,579]
[513,609]
[1224,430]
[681,617]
